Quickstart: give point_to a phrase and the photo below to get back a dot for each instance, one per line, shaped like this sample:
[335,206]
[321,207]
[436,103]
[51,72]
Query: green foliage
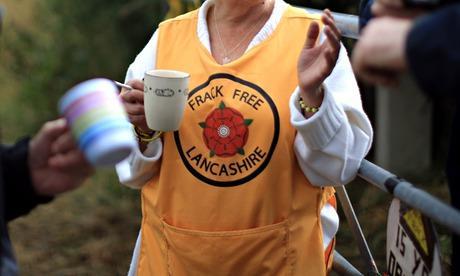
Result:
[65,42]
[69,41]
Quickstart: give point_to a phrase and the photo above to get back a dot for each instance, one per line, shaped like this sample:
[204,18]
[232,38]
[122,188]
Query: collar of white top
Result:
[264,33]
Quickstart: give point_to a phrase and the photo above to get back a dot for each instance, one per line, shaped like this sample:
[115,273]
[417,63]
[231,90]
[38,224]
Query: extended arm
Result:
[331,144]
[20,196]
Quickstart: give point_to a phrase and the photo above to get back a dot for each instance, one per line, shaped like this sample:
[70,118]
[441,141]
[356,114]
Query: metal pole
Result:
[430,206]
[343,267]
[348,24]
[356,230]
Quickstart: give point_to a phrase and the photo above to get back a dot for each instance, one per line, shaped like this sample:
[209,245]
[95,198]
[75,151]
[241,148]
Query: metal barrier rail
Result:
[347,207]
[427,204]
[348,24]
[343,267]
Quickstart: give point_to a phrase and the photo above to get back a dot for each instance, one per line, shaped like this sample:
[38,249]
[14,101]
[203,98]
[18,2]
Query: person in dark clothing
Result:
[32,171]
[429,49]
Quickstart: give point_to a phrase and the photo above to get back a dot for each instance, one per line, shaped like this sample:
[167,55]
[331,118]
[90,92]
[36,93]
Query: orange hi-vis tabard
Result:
[230,197]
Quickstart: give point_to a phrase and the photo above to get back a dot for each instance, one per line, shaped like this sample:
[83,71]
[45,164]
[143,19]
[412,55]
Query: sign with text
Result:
[412,244]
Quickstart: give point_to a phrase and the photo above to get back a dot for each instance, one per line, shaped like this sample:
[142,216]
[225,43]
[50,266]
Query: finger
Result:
[139,121]
[124,90]
[136,84]
[134,109]
[328,14]
[379,10]
[393,4]
[334,40]
[383,81]
[51,130]
[133,96]
[379,77]
[64,143]
[73,160]
[328,20]
[312,35]
[357,60]
[332,47]
[331,57]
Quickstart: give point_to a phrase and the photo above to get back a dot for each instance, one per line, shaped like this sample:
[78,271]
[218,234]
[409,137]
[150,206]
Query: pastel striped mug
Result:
[98,121]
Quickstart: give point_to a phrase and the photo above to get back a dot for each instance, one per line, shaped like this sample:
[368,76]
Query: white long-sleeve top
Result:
[329,145]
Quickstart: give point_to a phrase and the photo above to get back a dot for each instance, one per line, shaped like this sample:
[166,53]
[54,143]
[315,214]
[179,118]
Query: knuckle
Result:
[48,126]
[136,84]
[128,108]
[140,109]
[136,120]
[135,110]
[131,82]
[124,97]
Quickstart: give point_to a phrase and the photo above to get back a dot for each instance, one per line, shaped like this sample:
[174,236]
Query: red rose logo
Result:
[225,131]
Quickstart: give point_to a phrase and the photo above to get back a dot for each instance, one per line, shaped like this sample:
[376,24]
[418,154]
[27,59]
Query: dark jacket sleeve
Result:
[433,51]
[365,13]
[19,194]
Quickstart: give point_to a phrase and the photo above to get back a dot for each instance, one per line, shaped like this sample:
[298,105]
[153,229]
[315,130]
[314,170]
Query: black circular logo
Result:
[231,133]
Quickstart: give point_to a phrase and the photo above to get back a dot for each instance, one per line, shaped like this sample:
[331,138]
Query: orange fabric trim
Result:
[329,254]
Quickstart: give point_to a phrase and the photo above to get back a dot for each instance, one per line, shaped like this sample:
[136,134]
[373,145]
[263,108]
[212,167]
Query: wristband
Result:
[144,137]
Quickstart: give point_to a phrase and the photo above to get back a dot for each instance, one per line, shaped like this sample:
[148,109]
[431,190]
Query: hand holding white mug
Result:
[133,100]
[158,103]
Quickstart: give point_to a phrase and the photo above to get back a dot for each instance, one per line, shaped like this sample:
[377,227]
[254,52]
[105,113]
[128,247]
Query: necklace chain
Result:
[226,58]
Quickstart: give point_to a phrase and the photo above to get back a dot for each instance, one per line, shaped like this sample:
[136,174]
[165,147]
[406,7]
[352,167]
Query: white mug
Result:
[165,96]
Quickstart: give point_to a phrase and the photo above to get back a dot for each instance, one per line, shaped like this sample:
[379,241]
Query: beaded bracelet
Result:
[309,109]
[306,108]
[147,137]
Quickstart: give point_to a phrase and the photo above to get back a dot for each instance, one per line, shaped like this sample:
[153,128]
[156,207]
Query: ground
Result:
[87,232]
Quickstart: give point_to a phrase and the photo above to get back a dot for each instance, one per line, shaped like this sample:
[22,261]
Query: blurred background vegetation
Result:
[46,47]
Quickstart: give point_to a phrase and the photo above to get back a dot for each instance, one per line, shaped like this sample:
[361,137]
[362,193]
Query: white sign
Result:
[412,244]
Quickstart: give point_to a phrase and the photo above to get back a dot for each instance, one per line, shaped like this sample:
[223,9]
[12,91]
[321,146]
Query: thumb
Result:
[51,130]
[40,144]
[312,35]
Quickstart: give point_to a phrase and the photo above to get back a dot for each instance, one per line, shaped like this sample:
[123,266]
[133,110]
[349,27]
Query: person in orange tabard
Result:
[273,120]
